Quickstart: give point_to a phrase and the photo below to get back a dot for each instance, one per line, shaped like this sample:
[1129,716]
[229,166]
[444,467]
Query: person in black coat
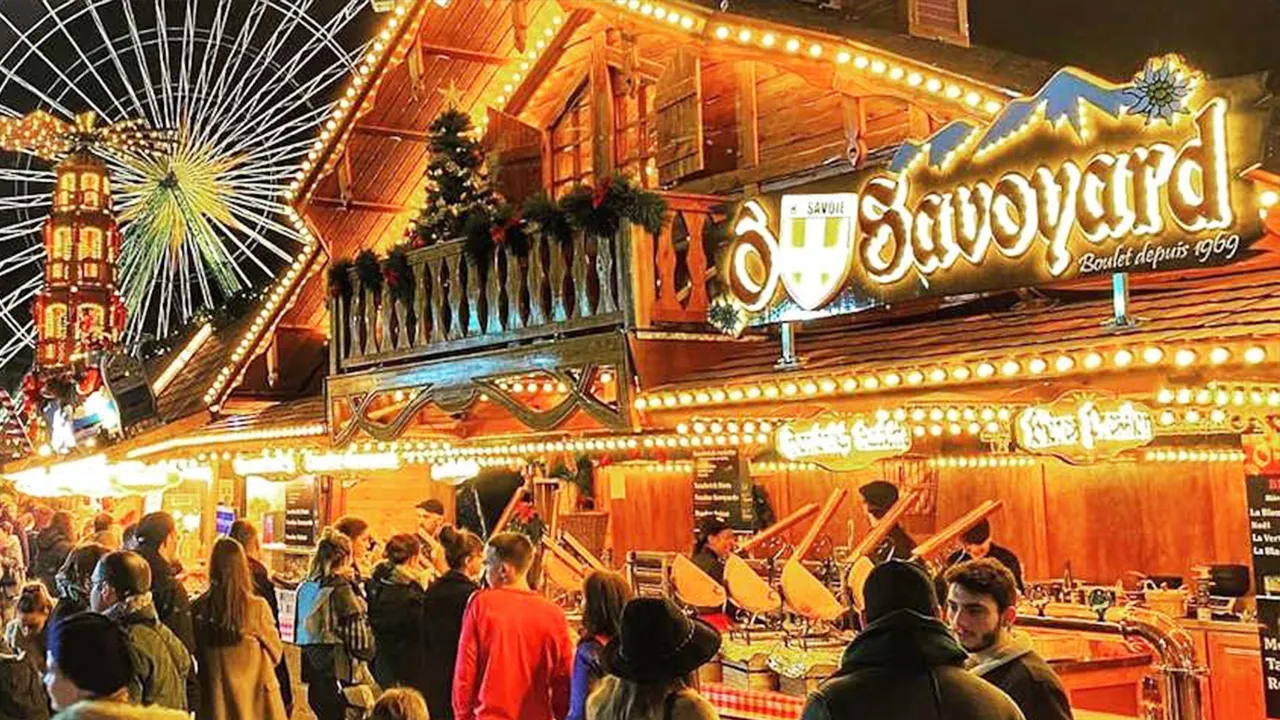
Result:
[246,534]
[52,547]
[443,606]
[157,542]
[879,497]
[395,611]
[978,544]
[982,607]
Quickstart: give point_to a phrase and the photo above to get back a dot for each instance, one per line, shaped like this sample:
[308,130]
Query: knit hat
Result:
[92,651]
[879,495]
[657,642]
[898,585]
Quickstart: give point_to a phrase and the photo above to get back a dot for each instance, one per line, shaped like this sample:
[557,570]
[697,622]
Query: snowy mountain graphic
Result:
[1158,92]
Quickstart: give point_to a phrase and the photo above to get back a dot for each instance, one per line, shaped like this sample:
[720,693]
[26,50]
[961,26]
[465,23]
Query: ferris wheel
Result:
[242,86]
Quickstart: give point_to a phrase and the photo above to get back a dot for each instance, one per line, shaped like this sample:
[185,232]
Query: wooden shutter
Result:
[516,149]
[946,20]
[679,116]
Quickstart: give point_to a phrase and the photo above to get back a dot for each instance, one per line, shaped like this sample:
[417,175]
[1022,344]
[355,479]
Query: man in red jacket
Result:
[514,659]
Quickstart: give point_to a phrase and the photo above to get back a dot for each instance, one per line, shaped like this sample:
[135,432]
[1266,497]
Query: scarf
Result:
[130,606]
[1012,645]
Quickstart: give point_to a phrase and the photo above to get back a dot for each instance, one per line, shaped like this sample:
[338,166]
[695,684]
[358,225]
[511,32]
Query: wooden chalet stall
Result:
[785,333]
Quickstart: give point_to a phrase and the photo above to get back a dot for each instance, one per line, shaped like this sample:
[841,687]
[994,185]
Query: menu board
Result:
[287,601]
[1262,493]
[300,513]
[722,489]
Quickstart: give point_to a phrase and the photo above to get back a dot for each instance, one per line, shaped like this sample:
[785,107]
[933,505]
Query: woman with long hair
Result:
[25,633]
[443,606]
[604,595]
[75,579]
[653,665]
[395,592]
[400,704]
[333,631]
[237,643]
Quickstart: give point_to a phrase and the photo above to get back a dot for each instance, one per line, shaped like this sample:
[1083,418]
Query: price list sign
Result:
[721,489]
[300,513]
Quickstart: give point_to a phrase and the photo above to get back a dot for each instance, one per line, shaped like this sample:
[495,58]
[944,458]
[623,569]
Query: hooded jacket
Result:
[52,548]
[161,663]
[1017,669]
[395,612]
[906,666]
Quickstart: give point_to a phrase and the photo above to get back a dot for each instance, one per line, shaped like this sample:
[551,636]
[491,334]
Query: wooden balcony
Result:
[632,280]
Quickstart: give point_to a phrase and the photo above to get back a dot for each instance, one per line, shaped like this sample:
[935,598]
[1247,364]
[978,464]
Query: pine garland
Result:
[398,275]
[340,279]
[369,272]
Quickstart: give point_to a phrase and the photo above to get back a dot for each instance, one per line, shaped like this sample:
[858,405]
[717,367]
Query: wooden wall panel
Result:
[719,116]
[800,125]
[387,500]
[1110,519]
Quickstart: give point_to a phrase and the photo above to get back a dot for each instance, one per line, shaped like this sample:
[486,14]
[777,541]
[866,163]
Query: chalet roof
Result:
[182,396]
[1238,308]
[302,411]
[988,65]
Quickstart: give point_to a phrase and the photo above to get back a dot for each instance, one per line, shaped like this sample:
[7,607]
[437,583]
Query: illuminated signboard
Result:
[843,443]
[1081,428]
[1083,178]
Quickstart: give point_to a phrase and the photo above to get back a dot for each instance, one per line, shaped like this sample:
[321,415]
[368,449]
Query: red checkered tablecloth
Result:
[752,704]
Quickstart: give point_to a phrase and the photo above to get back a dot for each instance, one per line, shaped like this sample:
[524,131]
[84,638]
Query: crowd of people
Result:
[447,625]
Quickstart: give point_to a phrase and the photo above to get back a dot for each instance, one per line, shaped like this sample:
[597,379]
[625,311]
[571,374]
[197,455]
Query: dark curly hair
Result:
[986,577]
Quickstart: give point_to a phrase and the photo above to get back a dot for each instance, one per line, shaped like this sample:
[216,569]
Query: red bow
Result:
[600,193]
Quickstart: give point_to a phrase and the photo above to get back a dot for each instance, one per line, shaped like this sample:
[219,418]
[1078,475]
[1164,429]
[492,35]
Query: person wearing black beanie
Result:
[906,664]
[878,498]
[88,659]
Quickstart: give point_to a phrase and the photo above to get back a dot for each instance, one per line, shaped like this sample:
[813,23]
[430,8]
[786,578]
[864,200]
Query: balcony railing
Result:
[632,280]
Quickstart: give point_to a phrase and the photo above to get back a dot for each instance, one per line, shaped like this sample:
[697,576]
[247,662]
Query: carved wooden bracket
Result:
[378,430]
[579,382]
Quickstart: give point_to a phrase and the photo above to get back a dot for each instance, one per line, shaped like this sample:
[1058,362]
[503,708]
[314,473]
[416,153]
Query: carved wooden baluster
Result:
[439,295]
[453,268]
[559,311]
[421,322]
[389,331]
[696,260]
[494,292]
[372,309]
[581,266]
[357,322]
[537,283]
[604,273]
[515,285]
[335,343]
[475,286]
[667,267]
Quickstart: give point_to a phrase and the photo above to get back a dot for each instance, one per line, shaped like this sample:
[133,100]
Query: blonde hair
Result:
[400,704]
[618,699]
[331,551]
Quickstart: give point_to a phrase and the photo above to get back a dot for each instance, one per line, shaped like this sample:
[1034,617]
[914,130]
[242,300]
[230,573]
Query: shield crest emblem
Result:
[816,246]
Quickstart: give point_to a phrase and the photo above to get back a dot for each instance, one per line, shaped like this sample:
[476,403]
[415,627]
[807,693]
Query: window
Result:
[635,134]
[89,190]
[90,244]
[62,243]
[571,160]
[55,322]
[66,190]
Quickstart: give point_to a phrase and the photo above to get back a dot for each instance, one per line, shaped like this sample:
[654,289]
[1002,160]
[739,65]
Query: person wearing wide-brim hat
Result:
[652,665]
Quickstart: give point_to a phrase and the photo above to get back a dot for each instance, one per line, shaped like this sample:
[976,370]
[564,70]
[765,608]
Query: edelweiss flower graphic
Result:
[1161,89]
[726,316]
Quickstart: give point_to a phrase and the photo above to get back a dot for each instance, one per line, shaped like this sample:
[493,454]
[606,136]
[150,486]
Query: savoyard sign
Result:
[1085,177]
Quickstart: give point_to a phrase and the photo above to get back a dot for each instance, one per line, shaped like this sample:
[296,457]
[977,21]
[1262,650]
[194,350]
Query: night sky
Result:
[1114,37]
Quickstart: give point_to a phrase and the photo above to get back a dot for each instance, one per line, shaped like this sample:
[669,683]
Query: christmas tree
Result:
[457,182]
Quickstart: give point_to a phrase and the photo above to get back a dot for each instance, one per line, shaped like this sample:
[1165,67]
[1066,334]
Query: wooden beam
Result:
[748,115]
[543,66]
[393,133]
[344,176]
[602,136]
[358,205]
[456,53]
[854,116]
[648,69]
